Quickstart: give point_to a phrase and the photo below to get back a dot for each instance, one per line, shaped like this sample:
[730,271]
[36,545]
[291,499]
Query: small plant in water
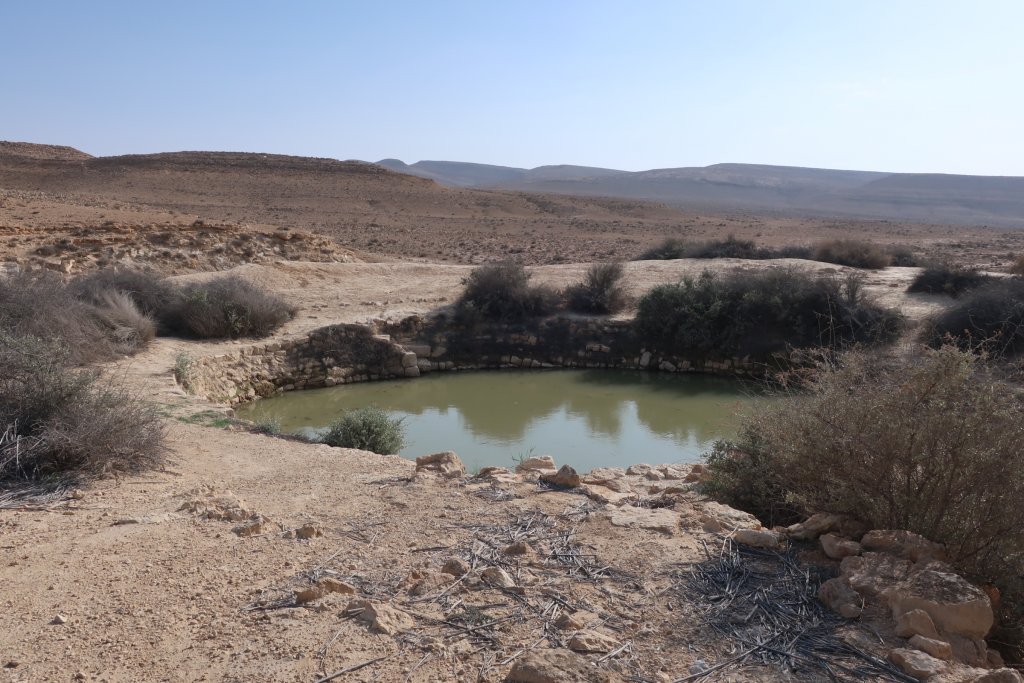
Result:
[267,425]
[368,429]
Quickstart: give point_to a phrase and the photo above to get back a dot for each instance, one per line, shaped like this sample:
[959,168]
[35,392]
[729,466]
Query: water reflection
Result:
[585,418]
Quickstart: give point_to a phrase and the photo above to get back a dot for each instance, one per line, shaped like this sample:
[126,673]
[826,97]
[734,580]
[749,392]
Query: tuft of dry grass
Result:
[601,291]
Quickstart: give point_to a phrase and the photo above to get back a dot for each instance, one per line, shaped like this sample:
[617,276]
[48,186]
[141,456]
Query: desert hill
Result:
[381,212]
[936,198]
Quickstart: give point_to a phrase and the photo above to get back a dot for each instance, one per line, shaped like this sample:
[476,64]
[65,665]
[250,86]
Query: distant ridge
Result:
[925,197]
[30,150]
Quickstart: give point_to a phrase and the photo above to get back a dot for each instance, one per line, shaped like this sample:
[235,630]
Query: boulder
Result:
[380,617]
[872,574]
[566,478]
[840,598]
[445,464]
[955,606]
[920,665]
[916,622]
[535,463]
[905,544]
[759,538]
[837,547]
[640,469]
[674,471]
[557,666]
[253,527]
[589,640]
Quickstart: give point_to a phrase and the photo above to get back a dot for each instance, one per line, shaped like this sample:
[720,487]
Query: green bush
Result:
[730,247]
[944,278]
[502,292]
[227,307]
[760,312]
[931,445]
[601,290]
[368,429]
[55,419]
[853,253]
[989,318]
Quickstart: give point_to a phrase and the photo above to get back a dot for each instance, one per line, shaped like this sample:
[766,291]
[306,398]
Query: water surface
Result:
[586,418]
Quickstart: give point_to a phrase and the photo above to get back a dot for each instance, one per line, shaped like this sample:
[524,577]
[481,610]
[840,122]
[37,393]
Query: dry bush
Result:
[931,445]
[55,419]
[501,292]
[228,307]
[40,305]
[151,292]
[853,253]
[989,318]
[127,327]
[601,291]
[761,312]
[1017,268]
[945,278]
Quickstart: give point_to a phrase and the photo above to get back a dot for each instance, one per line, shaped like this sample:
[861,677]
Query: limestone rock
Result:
[955,606]
[431,583]
[673,471]
[920,665]
[323,588]
[589,640]
[759,538]
[601,494]
[566,477]
[837,547]
[697,473]
[446,464]
[905,544]
[499,474]
[535,463]
[873,574]
[814,526]
[939,649]
[498,577]
[253,527]
[718,518]
[601,475]
[455,566]
[381,618]
[916,622]
[640,469]
[557,666]
[658,519]
[575,621]
[841,598]
[225,507]
[999,676]
[332,585]
[307,531]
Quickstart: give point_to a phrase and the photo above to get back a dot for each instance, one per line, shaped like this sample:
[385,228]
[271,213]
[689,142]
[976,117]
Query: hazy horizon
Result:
[922,87]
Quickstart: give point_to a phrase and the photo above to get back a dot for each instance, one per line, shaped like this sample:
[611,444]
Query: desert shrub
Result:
[1017,267]
[730,247]
[989,318]
[929,444]
[267,425]
[902,255]
[854,253]
[502,292]
[601,291]
[41,305]
[945,278]
[152,293]
[368,429]
[227,307]
[761,312]
[55,419]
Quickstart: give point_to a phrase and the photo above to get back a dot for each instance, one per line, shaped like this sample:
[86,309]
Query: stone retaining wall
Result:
[341,354]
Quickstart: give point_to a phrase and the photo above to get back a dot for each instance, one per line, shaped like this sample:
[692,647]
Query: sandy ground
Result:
[150,592]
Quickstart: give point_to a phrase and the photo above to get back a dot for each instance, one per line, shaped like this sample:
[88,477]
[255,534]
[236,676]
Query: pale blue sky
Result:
[895,85]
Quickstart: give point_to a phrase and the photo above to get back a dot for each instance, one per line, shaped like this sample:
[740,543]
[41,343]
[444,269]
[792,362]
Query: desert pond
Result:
[585,418]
